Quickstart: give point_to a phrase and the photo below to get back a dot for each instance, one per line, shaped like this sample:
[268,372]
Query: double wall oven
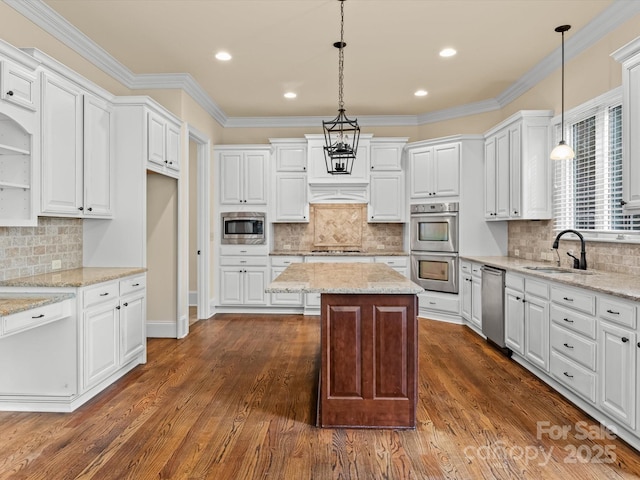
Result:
[434,246]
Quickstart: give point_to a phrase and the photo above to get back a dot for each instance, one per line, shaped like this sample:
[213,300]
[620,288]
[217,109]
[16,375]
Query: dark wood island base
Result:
[369,349]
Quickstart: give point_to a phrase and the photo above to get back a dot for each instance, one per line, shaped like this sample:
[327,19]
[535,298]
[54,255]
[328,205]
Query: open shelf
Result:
[9,150]
[14,185]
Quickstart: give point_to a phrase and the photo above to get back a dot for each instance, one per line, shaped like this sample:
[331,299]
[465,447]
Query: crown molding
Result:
[53,23]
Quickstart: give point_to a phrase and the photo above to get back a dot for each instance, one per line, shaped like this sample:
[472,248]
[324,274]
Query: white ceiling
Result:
[282,45]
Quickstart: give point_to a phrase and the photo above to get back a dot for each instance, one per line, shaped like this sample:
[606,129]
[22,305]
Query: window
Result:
[587,191]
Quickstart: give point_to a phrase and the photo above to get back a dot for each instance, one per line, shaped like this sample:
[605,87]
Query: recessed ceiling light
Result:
[290,95]
[421,93]
[223,56]
[448,52]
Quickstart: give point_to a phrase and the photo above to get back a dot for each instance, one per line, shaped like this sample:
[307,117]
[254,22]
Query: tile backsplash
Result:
[330,224]
[28,251]
[533,240]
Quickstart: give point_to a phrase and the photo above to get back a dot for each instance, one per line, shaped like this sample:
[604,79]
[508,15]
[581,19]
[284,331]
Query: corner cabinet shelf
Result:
[16,175]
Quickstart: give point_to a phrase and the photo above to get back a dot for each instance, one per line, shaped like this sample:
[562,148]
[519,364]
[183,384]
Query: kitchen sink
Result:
[558,270]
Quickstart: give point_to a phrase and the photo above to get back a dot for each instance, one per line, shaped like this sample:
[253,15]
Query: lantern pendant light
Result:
[562,150]
[341,135]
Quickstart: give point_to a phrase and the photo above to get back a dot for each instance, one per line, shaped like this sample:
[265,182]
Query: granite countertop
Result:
[77,277]
[335,253]
[342,278]
[618,284]
[14,303]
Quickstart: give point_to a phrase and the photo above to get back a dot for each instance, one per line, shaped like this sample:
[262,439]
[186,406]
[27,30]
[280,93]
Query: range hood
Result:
[342,192]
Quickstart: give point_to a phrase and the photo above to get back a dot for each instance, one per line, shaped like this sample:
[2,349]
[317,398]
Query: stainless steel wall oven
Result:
[434,246]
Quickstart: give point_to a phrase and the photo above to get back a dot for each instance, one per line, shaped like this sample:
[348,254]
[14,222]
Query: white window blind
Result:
[587,190]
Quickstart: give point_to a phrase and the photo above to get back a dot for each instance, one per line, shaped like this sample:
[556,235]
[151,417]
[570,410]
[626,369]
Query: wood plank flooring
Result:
[236,400]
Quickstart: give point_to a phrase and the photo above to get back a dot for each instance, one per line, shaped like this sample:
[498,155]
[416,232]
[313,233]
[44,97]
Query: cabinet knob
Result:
[518,298]
[304,168]
[638,344]
[125,304]
[80,208]
[622,203]
[166,161]
[90,209]
[10,93]
[515,212]
[118,307]
[624,339]
[371,217]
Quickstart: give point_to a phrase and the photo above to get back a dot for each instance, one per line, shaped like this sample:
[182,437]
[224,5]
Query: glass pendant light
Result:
[341,135]
[562,151]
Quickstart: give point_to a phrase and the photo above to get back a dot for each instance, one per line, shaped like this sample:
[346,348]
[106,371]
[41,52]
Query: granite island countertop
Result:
[11,303]
[617,284]
[76,277]
[369,278]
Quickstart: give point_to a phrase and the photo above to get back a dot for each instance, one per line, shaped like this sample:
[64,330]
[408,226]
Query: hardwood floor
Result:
[236,400]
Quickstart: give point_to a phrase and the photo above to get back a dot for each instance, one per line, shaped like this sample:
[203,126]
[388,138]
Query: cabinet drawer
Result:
[132,284]
[573,320]
[465,267]
[576,299]
[244,261]
[575,377]
[34,317]
[239,250]
[447,305]
[534,287]
[100,293]
[618,311]
[573,346]
[515,282]
[279,261]
[476,270]
[393,262]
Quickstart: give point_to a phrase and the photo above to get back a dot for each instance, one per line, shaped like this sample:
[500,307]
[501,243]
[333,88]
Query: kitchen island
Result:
[369,342]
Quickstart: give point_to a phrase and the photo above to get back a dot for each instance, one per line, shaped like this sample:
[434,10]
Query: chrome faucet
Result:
[579,264]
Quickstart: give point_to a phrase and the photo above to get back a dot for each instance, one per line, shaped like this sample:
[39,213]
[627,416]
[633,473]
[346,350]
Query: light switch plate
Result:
[56,264]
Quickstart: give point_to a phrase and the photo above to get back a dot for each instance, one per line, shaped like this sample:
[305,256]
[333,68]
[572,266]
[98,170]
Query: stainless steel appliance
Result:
[434,246]
[493,305]
[434,227]
[243,227]
[435,271]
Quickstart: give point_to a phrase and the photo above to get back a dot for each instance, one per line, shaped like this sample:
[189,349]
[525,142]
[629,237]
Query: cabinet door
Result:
[61,147]
[515,174]
[420,168]
[255,179]
[255,281]
[536,337]
[446,170]
[618,372]
[467,294]
[132,326]
[173,147]
[100,343]
[490,178]
[476,301]
[514,320]
[17,85]
[386,156]
[631,124]
[231,177]
[386,202]
[291,197]
[231,285]
[98,147]
[502,174]
[156,139]
[291,158]
[291,299]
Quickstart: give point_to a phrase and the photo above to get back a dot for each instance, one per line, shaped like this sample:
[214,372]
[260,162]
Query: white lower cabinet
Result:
[244,276]
[278,265]
[527,318]
[471,294]
[587,341]
[113,325]
[398,263]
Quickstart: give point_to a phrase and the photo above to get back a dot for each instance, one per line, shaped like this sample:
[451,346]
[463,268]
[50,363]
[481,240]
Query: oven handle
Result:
[434,215]
[429,253]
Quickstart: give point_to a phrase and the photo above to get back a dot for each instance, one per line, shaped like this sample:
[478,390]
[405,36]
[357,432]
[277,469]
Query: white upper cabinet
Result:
[518,169]
[18,85]
[163,149]
[434,170]
[243,174]
[290,154]
[386,154]
[289,187]
[629,56]
[386,201]
[76,151]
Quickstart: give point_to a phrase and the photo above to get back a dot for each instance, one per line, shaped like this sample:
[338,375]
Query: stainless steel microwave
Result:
[243,228]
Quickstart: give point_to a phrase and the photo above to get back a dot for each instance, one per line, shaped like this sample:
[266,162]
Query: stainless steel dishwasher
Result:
[493,305]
